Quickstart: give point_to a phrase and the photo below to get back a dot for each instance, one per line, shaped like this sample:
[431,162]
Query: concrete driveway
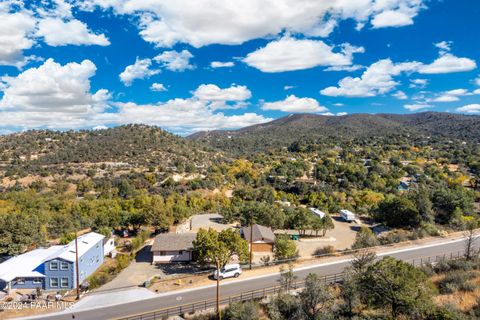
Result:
[136,273]
[209,220]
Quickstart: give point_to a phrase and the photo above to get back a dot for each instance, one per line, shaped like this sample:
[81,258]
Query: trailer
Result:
[317,212]
[347,215]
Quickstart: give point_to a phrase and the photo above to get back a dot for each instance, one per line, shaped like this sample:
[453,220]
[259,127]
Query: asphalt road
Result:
[230,288]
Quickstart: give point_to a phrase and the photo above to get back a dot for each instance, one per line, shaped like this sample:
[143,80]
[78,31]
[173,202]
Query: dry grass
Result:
[462,301]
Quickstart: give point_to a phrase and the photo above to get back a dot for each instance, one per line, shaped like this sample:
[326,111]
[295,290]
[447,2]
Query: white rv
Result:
[317,212]
[347,215]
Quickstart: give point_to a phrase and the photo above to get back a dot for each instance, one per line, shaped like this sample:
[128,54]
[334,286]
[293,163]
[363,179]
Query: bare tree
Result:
[471,238]
[362,259]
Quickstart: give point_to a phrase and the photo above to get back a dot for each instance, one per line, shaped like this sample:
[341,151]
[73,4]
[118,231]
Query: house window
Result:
[37,281]
[20,280]
[54,265]
[64,282]
[54,282]
[63,265]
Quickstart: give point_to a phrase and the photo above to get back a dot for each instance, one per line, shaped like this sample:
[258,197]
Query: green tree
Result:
[284,248]
[398,212]
[316,298]
[398,286]
[217,248]
[365,238]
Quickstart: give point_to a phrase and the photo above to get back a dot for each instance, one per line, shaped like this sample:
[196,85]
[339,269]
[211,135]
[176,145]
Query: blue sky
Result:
[190,65]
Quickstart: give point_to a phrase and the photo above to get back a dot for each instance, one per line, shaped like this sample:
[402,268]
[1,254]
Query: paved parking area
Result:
[136,273]
[205,221]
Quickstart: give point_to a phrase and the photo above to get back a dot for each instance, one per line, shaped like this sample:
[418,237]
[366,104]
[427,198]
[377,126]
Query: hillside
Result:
[284,131]
[131,145]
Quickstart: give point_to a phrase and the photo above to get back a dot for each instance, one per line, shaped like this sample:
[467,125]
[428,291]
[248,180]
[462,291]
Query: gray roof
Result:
[173,241]
[260,233]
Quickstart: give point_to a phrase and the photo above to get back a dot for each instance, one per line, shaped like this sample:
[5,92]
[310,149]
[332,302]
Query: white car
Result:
[229,271]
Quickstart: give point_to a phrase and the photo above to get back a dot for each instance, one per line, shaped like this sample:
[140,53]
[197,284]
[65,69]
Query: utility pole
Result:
[219,312]
[251,240]
[76,266]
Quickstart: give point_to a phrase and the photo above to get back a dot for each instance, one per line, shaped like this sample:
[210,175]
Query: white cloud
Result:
[470,108]
[295,105]
[451,95]
[351,68]
[417,107]
[57,32]
[166,23]
[139,70]
[400,95]
[175,60]
[418,83]
[392,18]
[288,87]
[377,79]
[476,91]
[477,81]
[52,96]
[183,116]
[288,54]
[340,114]
[448,63]
[15,36]
[22,28]
[219,64]
[211,92]
[159,87]
[58,97]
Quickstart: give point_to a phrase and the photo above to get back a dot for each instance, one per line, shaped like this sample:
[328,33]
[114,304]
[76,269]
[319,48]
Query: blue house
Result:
[53,268]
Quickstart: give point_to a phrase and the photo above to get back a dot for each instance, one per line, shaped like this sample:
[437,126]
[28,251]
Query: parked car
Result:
[229,271]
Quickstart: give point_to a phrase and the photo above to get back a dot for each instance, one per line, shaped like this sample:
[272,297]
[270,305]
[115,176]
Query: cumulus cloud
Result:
[175,60]
[211,92]
[23,28]
[183,116]
[377,79]
[293,104]
[448,63]
[288,54]
[477,81]
[418,83]
[417,107]
[166,23]
[470,108]
[52,96]
[400,95]
[57,32]
[219,64]
[58,97]
[160,87]
[15,36]
[451,95]
[139,70]
[392,18]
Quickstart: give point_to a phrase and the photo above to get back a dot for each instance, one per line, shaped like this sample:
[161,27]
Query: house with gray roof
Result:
[173,247]
[263,238]
[53,268]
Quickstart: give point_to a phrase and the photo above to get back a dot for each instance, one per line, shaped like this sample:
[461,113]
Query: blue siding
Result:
[49,274]
[90,261]
[28,283]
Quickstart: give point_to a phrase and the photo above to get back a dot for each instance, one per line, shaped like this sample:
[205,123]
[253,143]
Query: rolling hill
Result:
[284,131]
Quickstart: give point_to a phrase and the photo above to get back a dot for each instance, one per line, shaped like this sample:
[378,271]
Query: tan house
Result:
[263,238]
[173,247]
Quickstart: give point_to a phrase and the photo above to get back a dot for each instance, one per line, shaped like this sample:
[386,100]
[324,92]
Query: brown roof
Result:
[260,233]
[173,241]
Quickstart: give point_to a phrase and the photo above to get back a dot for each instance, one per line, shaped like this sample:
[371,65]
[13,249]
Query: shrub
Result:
[324,250]
[242,311]
[123,261]
[456,281]
[284,248]
[453,265]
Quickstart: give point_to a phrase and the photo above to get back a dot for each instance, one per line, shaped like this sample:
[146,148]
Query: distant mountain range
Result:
[284,131]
